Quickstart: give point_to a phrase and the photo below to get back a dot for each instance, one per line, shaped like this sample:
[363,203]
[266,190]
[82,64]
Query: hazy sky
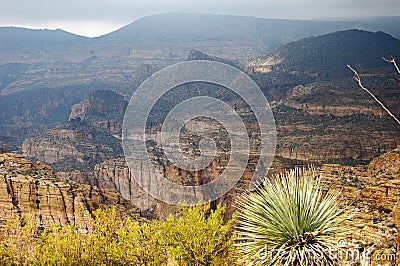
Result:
[97,17]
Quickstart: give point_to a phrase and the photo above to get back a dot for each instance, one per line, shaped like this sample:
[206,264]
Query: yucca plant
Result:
[291,221]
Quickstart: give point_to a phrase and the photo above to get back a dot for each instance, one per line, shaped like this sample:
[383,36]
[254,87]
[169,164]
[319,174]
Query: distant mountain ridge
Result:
[23,38]
[234,37]
[172,26]
[267,33]
[326,56]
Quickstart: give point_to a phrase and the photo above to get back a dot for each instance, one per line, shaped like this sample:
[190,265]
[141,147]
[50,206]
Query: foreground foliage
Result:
[195,237]
[290,221]
[287,221]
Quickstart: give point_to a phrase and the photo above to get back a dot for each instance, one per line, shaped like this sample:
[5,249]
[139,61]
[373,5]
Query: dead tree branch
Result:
[358,79]
[393,61]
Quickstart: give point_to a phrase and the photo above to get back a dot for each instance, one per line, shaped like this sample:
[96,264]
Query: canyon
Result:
[63,110]
[369,194]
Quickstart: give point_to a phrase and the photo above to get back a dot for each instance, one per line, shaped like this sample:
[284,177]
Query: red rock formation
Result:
[26,187]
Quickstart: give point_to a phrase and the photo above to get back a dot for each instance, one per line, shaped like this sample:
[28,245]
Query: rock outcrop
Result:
[99,103]
[73,147]
[371,192]
[342,97]
[26,187]
[114,175]
[91,136]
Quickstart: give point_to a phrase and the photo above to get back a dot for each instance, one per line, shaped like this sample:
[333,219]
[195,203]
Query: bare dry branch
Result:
[393,61]
[358,79]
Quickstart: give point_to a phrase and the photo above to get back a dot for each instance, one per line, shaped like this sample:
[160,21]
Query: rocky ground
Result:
[371,194]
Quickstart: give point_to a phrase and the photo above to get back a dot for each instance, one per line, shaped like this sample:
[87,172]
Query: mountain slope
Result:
[327,55]
[321,58]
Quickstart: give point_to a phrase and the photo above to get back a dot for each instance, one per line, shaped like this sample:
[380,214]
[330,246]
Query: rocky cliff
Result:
[114,174]
[27,187]
[327,138]
[103,104]
[371,193]
[342,97]
[73,147]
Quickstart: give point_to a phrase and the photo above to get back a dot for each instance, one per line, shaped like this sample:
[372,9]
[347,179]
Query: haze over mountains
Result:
[237,37]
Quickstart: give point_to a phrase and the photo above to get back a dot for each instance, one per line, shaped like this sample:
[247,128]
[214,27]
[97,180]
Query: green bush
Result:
[17,247]
[107,241]
[195,237]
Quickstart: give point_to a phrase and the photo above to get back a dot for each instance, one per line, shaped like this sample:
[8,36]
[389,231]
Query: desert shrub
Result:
[290,221]
[61,245]
[140,244]
[17,246]
[197,237]
[108,241]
